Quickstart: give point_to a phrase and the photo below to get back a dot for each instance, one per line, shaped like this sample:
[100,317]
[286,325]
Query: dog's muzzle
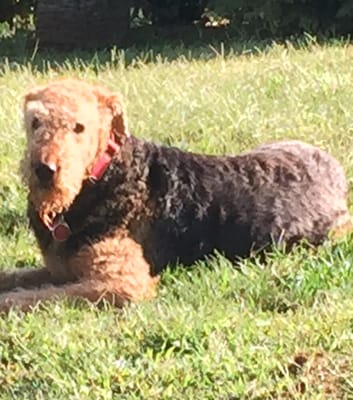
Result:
[45,173]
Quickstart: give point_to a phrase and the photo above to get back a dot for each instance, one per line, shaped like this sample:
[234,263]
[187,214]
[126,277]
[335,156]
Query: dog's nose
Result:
[45,172]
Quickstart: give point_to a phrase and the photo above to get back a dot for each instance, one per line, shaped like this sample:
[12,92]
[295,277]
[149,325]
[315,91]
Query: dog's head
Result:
[68,125]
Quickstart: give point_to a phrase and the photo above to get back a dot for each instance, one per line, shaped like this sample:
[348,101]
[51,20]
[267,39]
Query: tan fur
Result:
[96,272]
[97,109]
[342,229]
[114,268]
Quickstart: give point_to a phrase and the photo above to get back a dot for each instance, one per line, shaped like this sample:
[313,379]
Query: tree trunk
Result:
[82,23]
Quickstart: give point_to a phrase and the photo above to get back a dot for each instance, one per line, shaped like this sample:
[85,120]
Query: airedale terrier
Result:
[111,211]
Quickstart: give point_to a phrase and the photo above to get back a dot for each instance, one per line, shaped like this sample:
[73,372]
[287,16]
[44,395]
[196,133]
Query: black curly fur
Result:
[194,204]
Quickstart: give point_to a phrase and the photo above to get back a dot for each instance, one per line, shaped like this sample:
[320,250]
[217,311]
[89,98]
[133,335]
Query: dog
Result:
[110,211]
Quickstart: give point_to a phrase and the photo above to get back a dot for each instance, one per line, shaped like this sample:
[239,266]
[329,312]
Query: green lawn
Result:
[283,330]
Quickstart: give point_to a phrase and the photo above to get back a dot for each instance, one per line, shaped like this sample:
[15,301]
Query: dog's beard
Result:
[50,202]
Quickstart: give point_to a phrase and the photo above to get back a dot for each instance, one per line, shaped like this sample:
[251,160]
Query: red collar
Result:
[104,160]
[60,229]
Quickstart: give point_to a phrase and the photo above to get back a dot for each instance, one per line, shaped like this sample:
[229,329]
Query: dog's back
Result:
[284,191]
[318,162]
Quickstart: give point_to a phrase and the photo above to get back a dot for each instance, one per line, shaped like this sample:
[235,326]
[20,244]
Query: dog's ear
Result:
[113,103]
[32,94]
[119,120]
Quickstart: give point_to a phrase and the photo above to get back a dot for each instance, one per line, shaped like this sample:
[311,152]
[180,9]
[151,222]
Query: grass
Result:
[280,330]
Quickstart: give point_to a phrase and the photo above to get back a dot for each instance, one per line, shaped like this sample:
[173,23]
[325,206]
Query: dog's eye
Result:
[36,123]
[79,128]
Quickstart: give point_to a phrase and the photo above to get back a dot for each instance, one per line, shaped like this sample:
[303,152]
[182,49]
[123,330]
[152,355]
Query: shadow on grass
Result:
[146,45]
[150,45]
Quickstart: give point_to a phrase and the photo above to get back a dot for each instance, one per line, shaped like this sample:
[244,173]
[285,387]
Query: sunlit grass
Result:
[214,332]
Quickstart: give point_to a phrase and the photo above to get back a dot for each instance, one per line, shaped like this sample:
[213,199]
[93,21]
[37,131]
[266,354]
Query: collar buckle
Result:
[60,229]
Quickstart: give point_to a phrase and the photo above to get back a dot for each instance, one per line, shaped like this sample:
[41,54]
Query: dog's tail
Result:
[343,227]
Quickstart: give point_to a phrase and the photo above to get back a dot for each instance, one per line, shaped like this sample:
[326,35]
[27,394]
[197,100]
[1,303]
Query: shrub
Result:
[15,12]
[286,17]
[176,11]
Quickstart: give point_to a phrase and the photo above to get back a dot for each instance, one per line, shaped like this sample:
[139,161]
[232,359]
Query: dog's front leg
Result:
[24,278]
[92,290]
